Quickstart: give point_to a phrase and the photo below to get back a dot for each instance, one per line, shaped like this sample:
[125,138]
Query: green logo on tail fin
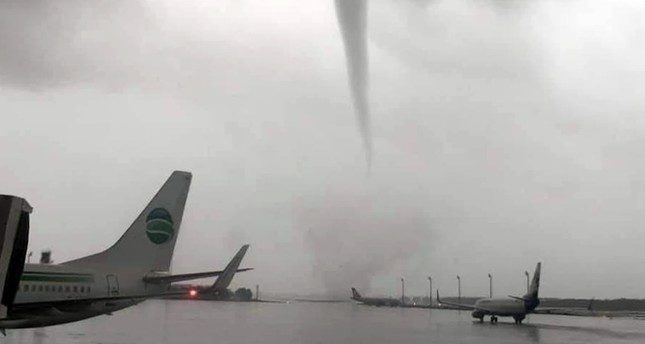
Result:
[159,226]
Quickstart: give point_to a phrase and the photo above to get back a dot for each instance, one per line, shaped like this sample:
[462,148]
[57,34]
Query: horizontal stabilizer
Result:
[157,279]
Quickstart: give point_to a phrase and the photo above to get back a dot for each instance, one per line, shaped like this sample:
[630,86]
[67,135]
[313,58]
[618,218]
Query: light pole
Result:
[402,291]
[527,281]
[459,288]
[490,285]
[430,280]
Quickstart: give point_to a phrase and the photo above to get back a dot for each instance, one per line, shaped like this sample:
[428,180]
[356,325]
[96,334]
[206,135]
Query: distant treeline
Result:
[596,305]
[205,293]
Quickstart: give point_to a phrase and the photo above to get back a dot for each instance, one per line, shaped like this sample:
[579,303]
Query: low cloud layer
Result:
[52,44]
[506,134]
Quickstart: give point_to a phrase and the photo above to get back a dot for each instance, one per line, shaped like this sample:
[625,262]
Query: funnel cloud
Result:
[352,19]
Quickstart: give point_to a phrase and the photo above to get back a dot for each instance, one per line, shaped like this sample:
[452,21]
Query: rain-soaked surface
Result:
[158,321]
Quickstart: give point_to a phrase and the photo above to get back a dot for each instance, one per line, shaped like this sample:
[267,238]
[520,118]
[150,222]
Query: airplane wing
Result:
[71,302]
[71,309]
[156,279]
[225,276]
[225,279]
[461,305]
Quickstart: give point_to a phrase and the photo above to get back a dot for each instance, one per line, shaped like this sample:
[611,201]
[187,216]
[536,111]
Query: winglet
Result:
[223,281]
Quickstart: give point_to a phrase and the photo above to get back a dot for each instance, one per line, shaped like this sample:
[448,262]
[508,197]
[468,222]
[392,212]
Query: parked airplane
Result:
[374,301]
[135,268]
[516,307]
[219,290]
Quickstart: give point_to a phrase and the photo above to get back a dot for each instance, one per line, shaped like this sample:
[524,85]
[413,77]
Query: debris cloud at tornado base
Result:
[356,235]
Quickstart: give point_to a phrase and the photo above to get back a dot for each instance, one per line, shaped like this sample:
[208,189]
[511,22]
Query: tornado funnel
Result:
[352,20]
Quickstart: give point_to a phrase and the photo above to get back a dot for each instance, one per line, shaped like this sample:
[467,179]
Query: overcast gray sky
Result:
[504,133]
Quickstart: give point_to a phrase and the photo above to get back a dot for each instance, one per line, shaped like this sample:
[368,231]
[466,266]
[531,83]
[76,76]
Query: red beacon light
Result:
[192,293]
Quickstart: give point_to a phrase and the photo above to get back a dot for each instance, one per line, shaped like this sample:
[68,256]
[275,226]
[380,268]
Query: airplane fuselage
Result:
[499,307]
[41,284]
[48,282]
[376,301]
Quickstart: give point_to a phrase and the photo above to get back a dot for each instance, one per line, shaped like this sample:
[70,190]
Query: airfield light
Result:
[402,291]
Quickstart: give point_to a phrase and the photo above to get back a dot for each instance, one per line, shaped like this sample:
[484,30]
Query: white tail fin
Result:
[149,242]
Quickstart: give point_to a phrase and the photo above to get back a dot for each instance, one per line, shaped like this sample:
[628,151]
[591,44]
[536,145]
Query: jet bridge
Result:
[14,236]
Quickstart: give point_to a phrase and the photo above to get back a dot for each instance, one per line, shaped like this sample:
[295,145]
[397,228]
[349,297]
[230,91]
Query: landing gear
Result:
[481,320]
[518,320]
[493,319]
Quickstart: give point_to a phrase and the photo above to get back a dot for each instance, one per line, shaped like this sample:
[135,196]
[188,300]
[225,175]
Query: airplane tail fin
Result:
[149,242]
[534,288]
[355,294]
[14,237]
[535,283]
[224,280]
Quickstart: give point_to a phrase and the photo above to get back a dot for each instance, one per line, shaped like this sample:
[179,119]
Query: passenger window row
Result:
[52,288]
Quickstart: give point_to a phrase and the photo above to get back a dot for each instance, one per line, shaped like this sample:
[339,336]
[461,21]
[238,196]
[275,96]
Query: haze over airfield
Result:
[504,133]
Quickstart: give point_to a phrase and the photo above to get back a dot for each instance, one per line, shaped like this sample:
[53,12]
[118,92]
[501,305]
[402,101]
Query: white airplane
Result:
[516,307]
[135,268]
[375,301]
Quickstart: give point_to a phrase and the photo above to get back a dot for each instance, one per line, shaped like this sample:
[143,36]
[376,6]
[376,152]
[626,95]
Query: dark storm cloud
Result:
[52,43]
[482,42]
[512,128]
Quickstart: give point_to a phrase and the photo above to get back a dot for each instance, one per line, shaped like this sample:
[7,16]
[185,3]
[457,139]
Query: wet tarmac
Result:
[177,321]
